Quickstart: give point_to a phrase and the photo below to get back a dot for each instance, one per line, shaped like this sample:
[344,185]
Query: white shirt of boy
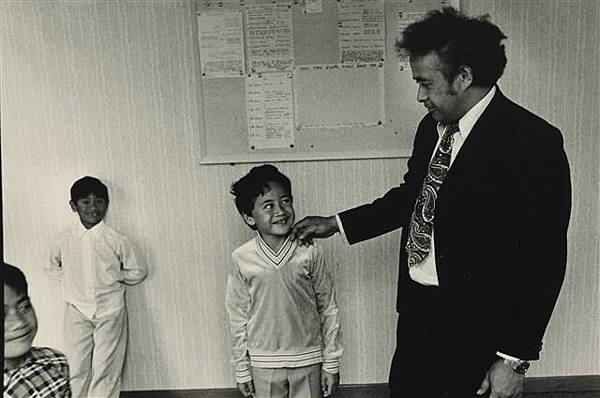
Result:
[93,264]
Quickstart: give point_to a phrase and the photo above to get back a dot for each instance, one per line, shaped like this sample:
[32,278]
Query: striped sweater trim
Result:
[331,366]
[276,258]
[243,375]
[286,360]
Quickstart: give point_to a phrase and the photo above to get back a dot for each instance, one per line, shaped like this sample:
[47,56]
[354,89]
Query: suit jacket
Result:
[500,225]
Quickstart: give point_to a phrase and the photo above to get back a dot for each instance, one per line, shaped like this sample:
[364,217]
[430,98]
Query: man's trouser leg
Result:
[416,370]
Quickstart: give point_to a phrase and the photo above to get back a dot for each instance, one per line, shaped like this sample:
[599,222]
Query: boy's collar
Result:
[285,243]
[81,230]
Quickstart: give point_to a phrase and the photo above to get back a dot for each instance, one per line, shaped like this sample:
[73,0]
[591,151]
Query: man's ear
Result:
[248,219]
[72,204]
[465,76]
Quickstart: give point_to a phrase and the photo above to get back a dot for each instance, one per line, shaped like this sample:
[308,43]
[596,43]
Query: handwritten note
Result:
[269,37]
[221,42]
[361,30]
[270,111]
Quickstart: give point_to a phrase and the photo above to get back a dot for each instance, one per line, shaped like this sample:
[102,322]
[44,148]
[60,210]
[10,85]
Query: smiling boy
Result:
[280,299]
[28,371]
[95,263]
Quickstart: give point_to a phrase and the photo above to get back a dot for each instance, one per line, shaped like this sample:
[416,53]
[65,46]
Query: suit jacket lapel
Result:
[475,151]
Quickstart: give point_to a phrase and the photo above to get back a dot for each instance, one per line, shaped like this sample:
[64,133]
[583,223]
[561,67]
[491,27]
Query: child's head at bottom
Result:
[20,322]
[263,198]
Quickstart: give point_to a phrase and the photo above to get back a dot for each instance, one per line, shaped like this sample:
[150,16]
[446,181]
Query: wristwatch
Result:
[518,366]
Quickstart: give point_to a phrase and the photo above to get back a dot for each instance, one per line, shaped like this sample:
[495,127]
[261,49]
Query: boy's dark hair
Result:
[87,185]
[254,184]
[458,40]
[14,278]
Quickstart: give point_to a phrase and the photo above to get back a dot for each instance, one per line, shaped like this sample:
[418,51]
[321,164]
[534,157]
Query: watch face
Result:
[521,367]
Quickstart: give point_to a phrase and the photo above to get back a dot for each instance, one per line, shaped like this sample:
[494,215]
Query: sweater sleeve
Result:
[237,302]
[328,312]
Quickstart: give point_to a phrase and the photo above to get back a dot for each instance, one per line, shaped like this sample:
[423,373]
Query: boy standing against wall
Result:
[280,299]
[28,371]
[95,263]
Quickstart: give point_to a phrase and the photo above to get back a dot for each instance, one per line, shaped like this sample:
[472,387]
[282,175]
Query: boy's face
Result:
[20,323]
[273,213]
[91,209]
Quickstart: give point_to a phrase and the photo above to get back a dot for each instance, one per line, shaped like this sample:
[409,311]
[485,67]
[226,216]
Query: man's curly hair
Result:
[458,41]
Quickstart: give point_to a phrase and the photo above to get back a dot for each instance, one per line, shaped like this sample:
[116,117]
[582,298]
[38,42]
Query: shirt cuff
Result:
[338,220]
[243,375]
[505,356]
[331,366]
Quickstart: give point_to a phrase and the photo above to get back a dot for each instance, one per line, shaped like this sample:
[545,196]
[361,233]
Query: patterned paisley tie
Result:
[421,222]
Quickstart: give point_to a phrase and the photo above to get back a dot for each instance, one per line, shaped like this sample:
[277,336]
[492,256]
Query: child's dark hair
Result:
[87,185]
[256,183]
[14,278]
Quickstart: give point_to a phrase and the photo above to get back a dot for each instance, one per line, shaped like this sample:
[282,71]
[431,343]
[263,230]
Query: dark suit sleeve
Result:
[393,210]
[374,219]
[539,264]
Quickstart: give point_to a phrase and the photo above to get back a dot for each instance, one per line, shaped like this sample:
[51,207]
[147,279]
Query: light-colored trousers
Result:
[303,382]
[95,349]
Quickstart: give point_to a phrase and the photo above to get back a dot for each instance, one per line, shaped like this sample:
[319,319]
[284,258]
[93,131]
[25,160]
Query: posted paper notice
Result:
[270,110]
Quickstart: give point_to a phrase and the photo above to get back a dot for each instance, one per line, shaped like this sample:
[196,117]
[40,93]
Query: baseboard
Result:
[562,384]
[533,386]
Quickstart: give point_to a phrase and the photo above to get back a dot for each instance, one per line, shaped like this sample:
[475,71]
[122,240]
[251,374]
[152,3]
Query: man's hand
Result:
[312,227]
[247,388]
[329,382]
[502,382]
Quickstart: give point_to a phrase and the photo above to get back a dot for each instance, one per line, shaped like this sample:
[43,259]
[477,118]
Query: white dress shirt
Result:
[93,266]
[425,272]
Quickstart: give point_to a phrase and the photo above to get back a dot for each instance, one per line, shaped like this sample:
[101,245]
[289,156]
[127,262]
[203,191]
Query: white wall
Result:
[109,89]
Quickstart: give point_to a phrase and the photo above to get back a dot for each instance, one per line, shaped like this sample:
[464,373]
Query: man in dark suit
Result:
[484,209]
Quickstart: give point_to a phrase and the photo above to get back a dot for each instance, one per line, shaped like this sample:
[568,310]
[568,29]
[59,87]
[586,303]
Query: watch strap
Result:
[518,366]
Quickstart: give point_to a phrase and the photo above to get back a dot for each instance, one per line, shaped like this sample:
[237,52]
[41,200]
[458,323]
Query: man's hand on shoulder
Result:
[247,388]
[329,382]
[312,227]
[502,382]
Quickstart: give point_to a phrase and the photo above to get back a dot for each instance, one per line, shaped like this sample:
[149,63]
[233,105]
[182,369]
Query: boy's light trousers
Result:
[95,349]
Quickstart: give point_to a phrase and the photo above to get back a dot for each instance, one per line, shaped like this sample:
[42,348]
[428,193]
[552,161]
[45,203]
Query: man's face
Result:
[91,209]
[20,323]
[441,98]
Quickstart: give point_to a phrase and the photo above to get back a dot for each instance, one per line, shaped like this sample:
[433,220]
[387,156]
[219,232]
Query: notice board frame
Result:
[222,124]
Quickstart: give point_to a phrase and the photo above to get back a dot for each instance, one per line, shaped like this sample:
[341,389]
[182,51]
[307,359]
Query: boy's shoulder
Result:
[46,354]
[246,248]
[67,235]
[110,231]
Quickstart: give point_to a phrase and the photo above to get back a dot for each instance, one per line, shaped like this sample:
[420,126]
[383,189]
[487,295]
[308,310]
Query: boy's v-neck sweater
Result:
[282,308]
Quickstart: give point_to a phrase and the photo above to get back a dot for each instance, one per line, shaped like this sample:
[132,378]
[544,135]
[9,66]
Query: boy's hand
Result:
[329,382]
[247,388]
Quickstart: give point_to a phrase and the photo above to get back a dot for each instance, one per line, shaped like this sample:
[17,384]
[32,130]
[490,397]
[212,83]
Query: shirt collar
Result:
[466,123]
[80,230]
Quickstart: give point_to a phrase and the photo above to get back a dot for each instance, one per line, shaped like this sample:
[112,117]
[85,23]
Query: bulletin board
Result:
[287,80]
